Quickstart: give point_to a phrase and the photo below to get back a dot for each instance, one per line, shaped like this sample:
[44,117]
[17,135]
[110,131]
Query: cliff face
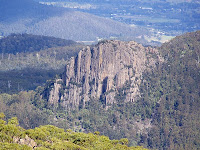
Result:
[111,72]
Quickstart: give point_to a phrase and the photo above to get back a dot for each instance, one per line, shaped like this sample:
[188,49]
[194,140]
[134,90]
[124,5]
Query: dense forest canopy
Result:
[176,84]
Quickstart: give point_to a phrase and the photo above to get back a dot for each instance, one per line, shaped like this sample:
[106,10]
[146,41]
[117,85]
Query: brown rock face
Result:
[25,141]
[110,71]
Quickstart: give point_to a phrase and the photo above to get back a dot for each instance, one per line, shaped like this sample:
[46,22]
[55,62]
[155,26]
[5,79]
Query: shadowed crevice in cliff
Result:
[104,86]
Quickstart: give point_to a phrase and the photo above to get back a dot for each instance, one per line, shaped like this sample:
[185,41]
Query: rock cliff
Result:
[110,71]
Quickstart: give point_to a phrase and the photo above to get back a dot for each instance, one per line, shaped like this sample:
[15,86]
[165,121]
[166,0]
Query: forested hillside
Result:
[22,43]
[15,81]
[175,85]
[27,61]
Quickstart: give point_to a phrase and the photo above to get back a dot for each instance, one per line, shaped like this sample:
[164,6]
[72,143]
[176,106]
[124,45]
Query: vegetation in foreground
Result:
[50,137]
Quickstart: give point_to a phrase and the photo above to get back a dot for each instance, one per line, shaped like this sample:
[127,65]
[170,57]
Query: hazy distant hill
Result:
[13,10]
[170,17]
[26,16]
[82,27]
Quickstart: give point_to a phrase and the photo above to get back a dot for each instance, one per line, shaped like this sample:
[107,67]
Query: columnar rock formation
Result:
[111,71]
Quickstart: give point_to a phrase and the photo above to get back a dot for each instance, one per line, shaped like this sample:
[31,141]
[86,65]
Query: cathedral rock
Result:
[110,71]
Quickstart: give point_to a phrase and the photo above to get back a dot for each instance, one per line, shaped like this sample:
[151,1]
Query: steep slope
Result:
[103,77]
[176,84]
[34,18]
[110,71]
[123,89]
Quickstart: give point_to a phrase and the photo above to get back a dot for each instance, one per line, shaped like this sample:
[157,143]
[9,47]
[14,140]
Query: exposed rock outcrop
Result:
[25,141]
[54,93]
[110,71]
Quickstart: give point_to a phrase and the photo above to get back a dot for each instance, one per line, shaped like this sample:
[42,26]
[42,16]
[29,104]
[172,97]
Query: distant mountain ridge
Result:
[14,10]
[27,16]
[17,43]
